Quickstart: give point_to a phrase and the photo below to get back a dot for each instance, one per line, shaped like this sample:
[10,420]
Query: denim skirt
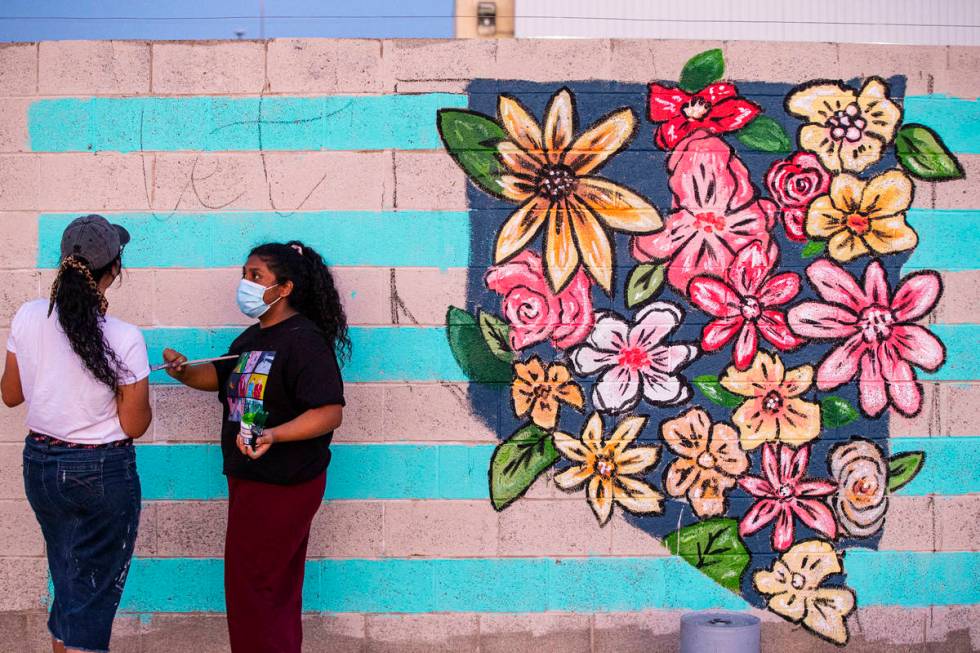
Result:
[87,502]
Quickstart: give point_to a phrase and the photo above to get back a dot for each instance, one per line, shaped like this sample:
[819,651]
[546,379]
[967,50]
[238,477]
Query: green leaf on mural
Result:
[765,135]
[644,282]
[470,350]
[702,69]
[496,333]
[903,467]
[471,139]
[517,462]
[711,388]
[813,248]
[835,412]
[922,152]
[714,548]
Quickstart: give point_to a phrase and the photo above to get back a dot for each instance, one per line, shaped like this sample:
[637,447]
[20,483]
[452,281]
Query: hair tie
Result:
[299,250]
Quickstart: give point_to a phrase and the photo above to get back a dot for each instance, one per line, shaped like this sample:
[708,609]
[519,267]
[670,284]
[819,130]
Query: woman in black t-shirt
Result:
[286,378]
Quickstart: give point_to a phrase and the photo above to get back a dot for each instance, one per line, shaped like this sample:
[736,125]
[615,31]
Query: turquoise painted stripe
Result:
[189,472]
[948,239]
[379,353]
[410,238]
[399,585]
[212,123]
[423,354]
[215,123]
[913,579]
[456,471]
[950,466]
[347,238]
[955,119]
[962,352]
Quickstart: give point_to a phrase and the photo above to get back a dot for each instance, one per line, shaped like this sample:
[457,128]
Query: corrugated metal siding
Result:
[920,22]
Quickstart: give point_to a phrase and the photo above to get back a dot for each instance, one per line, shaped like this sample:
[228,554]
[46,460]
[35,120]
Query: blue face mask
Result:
[251,300]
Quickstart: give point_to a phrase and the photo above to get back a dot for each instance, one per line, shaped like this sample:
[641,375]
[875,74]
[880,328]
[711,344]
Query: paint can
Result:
[719,632]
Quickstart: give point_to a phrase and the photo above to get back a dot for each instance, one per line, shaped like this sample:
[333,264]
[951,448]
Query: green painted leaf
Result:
[496,333]
[644,282]
[764,135]
[471,139]
[813,248]
[471,351]
[711,388]
[835,412]
[517,462]
[702,69]
[713,547]
[922,152]
[903,467]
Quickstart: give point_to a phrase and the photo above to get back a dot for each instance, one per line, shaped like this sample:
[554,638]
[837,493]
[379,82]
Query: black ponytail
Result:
[314,293]
[81,313]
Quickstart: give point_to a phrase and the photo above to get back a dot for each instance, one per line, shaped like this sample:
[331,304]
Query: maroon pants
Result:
[265,556]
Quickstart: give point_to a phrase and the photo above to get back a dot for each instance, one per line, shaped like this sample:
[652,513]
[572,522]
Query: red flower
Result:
[784,494]
[794,183]
[742,304]
[716,109]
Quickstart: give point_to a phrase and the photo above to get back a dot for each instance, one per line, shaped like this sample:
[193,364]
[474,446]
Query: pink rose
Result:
[794,183]
[533,311]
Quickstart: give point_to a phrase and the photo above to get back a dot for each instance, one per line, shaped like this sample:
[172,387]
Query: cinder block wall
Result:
[201,180]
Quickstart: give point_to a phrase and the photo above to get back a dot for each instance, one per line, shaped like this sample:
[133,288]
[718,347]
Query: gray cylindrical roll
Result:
[719,632]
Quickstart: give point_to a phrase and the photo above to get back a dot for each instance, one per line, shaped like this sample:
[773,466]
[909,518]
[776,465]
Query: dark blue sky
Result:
[35,20]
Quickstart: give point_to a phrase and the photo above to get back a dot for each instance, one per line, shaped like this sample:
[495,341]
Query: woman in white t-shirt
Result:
[83,376]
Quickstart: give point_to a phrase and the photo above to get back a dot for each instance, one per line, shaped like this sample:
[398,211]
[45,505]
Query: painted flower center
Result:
[542,391]
[709,222]
[847,124]
[772,402]
[798,581]
[751,308]
[605,467]
[803,184]
[784,492]
[556,182]
[876,323]
[863,491]
[634,358]
[696,109]
[858,223]
[706,460]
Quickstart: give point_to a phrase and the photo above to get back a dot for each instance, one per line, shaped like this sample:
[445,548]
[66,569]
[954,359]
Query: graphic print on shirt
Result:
[247,383]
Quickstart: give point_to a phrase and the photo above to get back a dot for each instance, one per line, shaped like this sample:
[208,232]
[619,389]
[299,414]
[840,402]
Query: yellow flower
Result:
[793,584]
[861,216]
[709,460]
[539,391]
[774,412]
[610,468]
[846,129]
[549,177]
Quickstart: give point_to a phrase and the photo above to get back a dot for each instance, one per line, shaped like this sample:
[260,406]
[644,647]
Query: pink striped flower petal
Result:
[745,346]
[717,333]
[783,532]
[817,515]
[835,284]
[842,364]
[714,297]
[871,387]
[918,346]
[749,269]
[773,327]
[916,295]
[758,517]
[780,289]
[876,285]
[757,487]
[822,321]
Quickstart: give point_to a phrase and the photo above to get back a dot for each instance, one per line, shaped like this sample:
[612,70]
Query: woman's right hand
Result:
[175,364]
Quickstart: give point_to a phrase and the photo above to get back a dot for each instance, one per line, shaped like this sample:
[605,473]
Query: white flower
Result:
[632,362]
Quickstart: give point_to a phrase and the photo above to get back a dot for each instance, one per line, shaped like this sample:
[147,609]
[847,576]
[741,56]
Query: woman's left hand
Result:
[262,444]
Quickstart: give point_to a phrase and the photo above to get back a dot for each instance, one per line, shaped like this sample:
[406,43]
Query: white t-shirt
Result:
[63,399]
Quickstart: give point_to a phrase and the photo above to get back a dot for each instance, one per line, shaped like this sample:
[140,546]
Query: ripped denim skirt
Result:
[87,501]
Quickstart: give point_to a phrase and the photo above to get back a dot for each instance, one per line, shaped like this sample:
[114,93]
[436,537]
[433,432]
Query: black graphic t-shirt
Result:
[283,370]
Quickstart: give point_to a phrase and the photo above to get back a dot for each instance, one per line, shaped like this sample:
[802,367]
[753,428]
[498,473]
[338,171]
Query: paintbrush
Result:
[199,361]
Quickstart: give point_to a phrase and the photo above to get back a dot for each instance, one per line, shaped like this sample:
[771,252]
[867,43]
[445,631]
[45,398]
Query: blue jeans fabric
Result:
[87,502]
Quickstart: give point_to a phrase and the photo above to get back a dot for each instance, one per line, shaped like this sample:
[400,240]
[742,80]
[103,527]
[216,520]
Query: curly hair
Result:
[314,292]
[81,314]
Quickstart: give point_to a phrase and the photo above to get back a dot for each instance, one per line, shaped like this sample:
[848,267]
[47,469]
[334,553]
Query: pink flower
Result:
[877,331]
[784,494]
[716,212]
[533,311]
[716,109]
[794,183]
[743,304]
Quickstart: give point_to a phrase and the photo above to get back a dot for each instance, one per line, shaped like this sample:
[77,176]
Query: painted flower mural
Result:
[732,386]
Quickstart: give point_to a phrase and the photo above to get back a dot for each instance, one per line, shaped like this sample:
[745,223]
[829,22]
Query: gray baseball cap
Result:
[94,239]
